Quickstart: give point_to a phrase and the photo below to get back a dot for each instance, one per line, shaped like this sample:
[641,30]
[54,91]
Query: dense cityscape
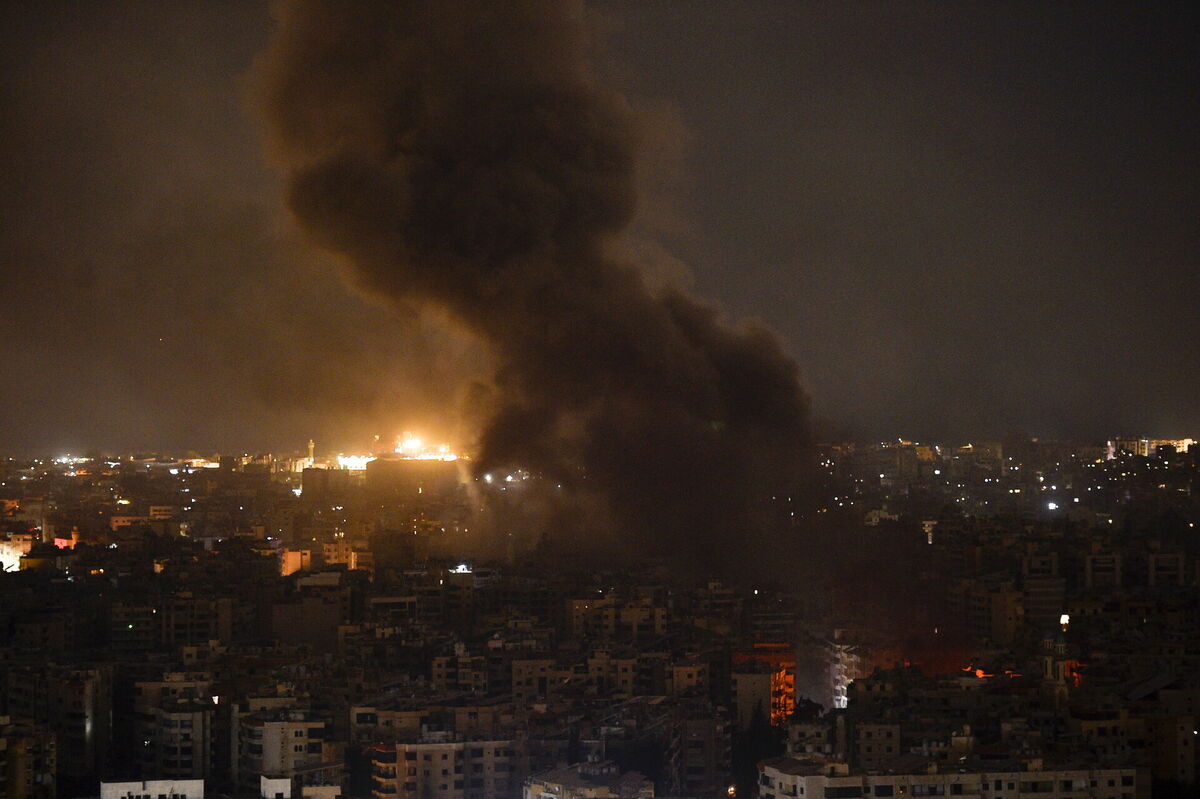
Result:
[1002,619]
[462,399]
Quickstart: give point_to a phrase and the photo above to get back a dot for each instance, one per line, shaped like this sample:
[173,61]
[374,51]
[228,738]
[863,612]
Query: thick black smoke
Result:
[460,154]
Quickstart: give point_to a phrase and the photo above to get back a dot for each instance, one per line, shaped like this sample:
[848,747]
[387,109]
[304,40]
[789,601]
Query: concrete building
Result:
[188,620]
[286,744]
[828,779]
[699,756]
[460,672]
[688,676]
[875,744]
[175,720]
[76,704]
[401,478]
[764,675]
[441,766]
[153,789]
[289,788]
[596,780]
[178,740]
[1102,570]
[751,693]
[1166,568]
[28,759]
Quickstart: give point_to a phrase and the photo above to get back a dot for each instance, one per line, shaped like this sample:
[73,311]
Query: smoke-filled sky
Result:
[961,220]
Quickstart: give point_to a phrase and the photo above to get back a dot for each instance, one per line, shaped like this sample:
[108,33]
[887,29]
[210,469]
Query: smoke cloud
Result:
[460,154]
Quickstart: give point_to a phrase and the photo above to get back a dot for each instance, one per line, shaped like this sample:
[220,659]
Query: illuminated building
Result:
[847,662]
[295,560]
[286,745]
[1132,446]
[765,677]
[13,548]
[440,767]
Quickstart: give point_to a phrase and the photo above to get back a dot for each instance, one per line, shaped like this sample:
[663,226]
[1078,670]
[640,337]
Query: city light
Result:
[447,269]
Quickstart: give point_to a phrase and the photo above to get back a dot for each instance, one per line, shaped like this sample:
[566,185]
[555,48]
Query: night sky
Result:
[961,220]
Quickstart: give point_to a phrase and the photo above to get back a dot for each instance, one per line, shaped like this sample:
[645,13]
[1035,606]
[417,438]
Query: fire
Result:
[355,463]
[410,446]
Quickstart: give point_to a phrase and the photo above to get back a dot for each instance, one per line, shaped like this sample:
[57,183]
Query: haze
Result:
[960,221]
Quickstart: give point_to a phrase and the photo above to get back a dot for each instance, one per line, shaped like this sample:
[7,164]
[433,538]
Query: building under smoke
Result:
[400,479]
[461,155]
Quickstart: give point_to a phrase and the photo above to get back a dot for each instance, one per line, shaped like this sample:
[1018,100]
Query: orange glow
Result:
[414,447]
[781,658]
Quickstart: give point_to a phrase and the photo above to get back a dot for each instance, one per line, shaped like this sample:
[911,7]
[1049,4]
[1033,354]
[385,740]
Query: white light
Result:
[937,471]
[487,478]
[1052,505]
[354,463]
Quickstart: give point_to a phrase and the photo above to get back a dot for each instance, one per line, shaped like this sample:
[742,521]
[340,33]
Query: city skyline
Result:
[599,399]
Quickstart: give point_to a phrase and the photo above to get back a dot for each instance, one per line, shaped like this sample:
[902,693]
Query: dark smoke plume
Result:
[460,154]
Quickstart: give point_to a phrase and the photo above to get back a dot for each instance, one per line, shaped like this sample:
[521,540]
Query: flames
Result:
[408,447]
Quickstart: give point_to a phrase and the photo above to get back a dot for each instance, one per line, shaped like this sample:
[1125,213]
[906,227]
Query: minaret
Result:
[312,448]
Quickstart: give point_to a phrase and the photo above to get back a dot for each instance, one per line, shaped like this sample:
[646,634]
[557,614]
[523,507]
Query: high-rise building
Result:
[440,767]
[28,760]
[76,705]
[286,744]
